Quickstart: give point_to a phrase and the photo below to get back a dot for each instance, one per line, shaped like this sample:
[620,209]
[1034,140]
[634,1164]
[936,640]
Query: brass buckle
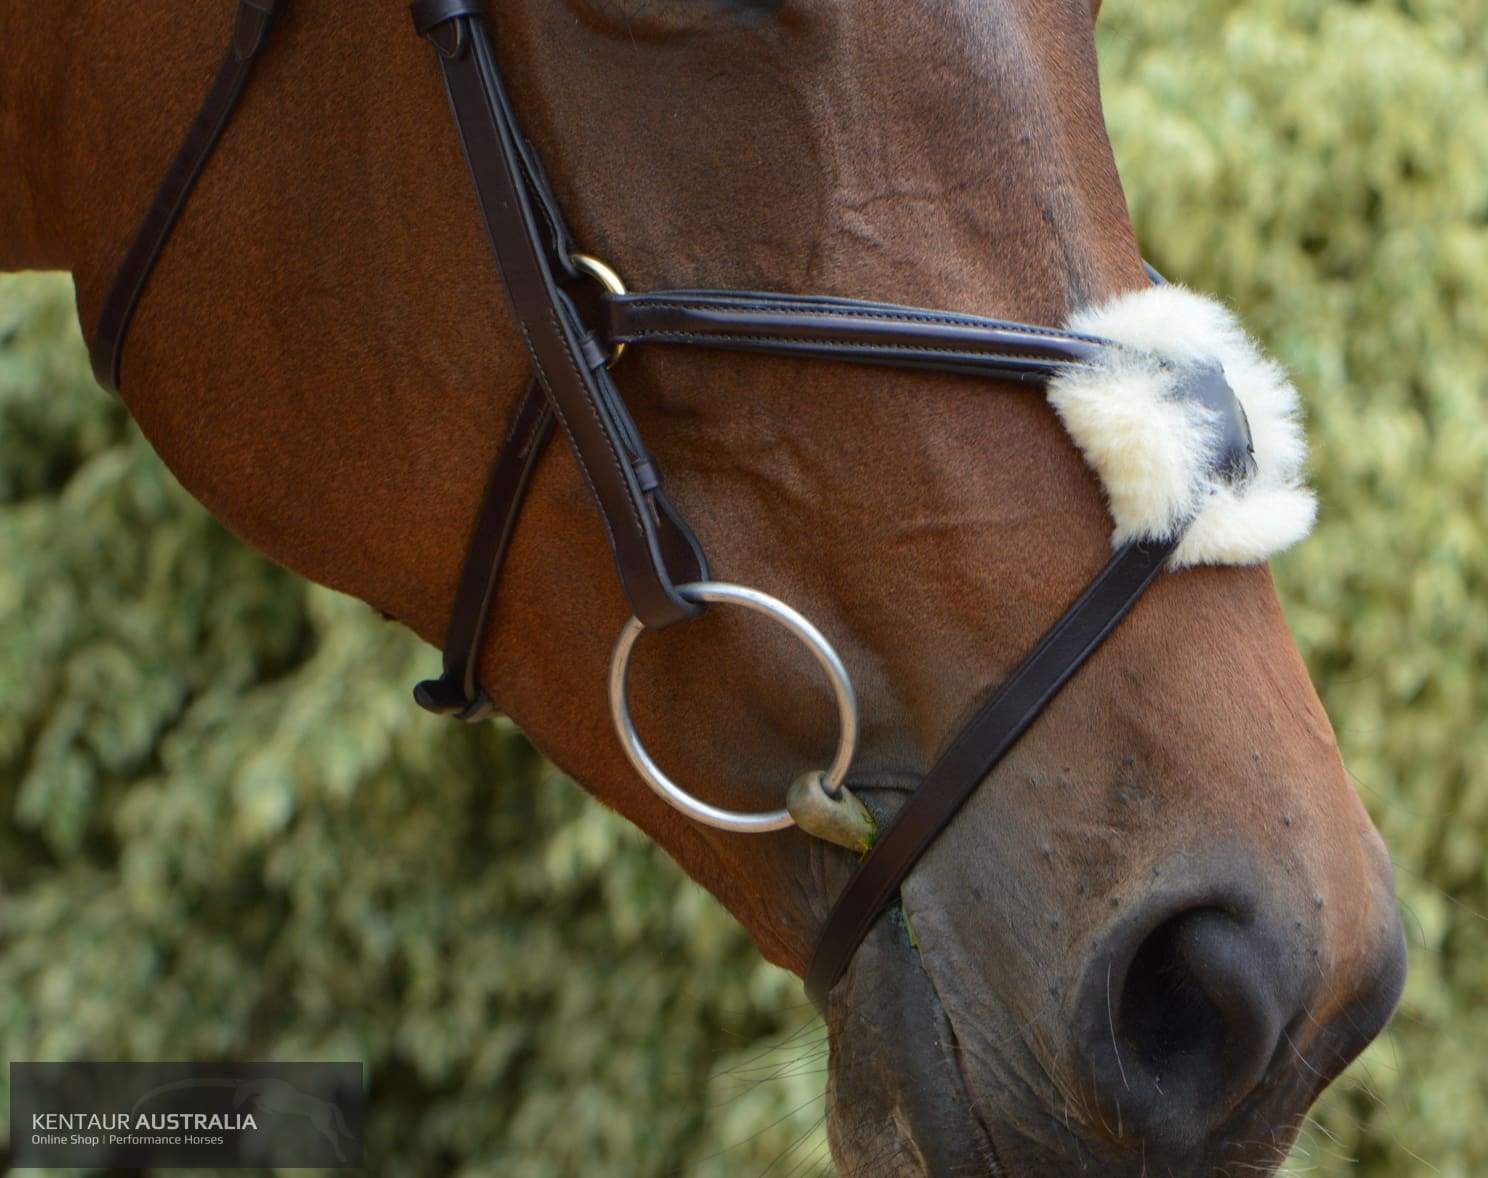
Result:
[604,274]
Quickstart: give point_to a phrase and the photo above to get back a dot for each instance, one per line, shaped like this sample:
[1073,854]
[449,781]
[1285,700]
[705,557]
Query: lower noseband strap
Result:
[978,747]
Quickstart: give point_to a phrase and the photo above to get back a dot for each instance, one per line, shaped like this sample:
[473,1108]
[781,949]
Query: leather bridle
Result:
[656,554]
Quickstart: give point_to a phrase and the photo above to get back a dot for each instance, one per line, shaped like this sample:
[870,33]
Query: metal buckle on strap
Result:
[604,274]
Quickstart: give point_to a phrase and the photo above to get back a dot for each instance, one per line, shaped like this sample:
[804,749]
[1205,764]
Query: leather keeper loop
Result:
[430,14]
[596,355]
[254,19]
[648,474]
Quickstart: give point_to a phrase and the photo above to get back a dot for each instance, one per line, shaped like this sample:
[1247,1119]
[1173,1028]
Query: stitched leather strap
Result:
[250,35]
[978,747]
[652,547]
[846,329]
[457,692]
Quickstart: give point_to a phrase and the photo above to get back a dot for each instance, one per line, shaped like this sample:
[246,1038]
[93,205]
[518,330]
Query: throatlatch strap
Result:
[250,34]
[978,747]
[457,692]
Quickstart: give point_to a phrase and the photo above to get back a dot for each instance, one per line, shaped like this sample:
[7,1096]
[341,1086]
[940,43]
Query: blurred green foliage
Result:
[1324,166]
[230,835]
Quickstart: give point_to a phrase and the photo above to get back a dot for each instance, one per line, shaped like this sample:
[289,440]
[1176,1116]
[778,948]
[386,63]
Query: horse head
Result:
[1164,922]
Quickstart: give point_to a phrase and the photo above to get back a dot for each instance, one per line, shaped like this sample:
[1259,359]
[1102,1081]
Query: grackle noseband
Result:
[660,563]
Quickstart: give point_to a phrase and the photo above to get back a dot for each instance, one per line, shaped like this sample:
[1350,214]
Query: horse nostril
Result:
[1181,1013]
[1216,1003]
[1197,1012]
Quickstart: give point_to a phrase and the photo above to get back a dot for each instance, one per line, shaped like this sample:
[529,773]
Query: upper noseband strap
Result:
[250,35]
[846,329]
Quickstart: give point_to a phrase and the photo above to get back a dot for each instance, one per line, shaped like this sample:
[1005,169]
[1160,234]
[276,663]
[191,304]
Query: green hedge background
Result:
[227,833]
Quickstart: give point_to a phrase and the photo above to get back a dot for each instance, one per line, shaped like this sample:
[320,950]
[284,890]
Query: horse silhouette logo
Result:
[272,1096]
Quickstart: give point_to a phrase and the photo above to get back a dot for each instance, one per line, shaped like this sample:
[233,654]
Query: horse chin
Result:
[897,1103]
[909,1097]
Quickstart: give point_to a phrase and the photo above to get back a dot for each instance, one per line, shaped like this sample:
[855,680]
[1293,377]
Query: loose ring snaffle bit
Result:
[724,593]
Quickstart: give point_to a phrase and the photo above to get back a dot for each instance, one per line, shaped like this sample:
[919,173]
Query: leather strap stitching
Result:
[783,306]
[692,337]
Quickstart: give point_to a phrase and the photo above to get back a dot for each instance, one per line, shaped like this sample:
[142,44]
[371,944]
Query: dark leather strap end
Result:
[445,697]
[522,227]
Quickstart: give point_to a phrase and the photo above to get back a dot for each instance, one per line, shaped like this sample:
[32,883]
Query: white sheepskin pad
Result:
[1153,449]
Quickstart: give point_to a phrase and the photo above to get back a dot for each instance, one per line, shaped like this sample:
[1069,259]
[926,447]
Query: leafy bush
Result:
[231,835]
[1325,167]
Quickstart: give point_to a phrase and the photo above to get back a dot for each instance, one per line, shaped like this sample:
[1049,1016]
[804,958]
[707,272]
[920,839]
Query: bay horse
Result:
[1165,922]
